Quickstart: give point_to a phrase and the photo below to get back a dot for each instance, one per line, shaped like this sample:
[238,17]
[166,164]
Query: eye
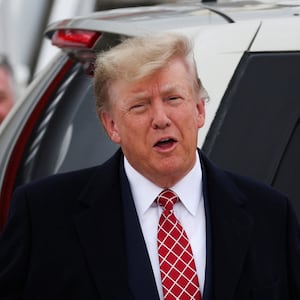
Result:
[174,99]
[140,107]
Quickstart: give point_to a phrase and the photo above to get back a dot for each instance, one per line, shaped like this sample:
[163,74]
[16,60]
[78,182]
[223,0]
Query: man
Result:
[6,88]
[101,233]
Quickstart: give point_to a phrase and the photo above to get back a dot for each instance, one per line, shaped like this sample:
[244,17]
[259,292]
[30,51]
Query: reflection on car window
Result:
[69,135]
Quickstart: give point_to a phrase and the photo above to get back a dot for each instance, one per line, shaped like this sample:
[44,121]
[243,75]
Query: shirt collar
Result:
[144,192]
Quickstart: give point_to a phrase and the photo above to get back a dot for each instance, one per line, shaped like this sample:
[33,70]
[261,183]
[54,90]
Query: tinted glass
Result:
[69,135]
[256,130]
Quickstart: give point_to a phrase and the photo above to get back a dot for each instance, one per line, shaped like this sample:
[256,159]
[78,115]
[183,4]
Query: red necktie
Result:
[177,265]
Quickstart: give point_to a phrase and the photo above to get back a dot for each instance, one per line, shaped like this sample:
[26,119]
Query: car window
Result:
[256,129]
[69,135]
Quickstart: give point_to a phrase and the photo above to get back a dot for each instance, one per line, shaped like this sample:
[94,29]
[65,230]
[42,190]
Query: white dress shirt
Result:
[189,211]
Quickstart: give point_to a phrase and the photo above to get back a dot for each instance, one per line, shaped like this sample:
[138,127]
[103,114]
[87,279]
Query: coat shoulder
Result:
[71,184]
[252,191]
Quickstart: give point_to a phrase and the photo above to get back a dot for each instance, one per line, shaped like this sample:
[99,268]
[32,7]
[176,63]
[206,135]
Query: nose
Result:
[160,119]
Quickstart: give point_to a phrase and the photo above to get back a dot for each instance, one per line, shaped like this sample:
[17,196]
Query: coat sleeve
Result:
[15,249]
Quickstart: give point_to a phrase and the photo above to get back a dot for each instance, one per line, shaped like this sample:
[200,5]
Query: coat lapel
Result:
[140,275]
[100,231]
[99,223]
[231,228]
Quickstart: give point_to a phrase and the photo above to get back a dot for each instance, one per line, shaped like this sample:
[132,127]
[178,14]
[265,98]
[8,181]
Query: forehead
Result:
[177,74]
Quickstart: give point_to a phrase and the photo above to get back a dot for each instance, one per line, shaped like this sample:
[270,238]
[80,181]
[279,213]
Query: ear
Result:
[201,112]
[110,126]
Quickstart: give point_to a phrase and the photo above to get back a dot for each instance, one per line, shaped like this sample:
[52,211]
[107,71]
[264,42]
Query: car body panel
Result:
[278,35]
[218,51]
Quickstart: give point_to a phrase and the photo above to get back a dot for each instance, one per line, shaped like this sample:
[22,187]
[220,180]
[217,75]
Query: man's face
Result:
[6,94]
[156,122]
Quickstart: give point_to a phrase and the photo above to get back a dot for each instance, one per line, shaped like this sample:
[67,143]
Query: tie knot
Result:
[167,198]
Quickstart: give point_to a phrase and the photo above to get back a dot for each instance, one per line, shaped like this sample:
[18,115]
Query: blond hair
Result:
[138,57]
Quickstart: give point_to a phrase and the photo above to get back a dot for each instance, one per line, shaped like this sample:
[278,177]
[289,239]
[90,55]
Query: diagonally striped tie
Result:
[177,265]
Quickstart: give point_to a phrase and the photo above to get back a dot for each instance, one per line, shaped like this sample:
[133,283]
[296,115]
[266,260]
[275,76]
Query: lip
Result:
[165,144]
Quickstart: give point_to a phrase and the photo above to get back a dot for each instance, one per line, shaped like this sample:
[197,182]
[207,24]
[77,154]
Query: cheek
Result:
[193,117]
[137,125]
[130,130]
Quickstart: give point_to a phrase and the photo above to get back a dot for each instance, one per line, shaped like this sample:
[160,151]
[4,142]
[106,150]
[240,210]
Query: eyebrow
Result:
[139,96]
[167,88]
[170,88]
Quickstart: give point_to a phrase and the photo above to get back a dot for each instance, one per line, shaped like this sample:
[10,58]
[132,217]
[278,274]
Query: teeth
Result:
[164,140]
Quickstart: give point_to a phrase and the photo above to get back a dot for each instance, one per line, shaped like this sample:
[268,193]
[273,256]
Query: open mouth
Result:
[165,143]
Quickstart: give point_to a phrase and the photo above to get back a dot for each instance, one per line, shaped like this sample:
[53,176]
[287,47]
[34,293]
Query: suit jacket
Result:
[76,236]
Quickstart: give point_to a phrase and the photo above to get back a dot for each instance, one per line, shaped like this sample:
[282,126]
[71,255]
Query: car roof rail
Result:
[223,15]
